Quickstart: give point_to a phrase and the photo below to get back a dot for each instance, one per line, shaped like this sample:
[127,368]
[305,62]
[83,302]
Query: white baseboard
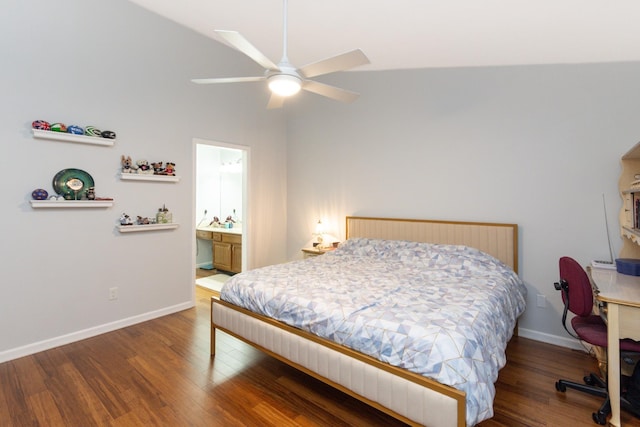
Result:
[550,339]
[29,349]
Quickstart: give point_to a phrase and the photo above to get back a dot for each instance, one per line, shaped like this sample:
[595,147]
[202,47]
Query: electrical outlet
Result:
[542,301]
[113,293]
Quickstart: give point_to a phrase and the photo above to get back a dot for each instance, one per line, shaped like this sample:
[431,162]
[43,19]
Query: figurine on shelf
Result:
[125,220]
[109,134]
[91,193]
[144,167]
[170,169]
[143,221]
[127,165]
[75,130]
[157,168]
[41,125]
[164,216]
[39,194]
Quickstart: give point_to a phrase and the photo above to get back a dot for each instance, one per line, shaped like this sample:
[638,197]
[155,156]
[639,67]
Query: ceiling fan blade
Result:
[332,92]
[229,80]
[341,62]
[238,41]
[275,102]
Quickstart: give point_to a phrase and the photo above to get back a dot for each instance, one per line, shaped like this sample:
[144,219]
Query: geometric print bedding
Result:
[442,311]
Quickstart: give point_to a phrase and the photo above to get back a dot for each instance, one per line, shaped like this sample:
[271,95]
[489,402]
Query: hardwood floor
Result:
[159,373]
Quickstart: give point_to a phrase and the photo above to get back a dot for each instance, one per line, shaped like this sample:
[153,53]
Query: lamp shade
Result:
[284,84]
[319,233]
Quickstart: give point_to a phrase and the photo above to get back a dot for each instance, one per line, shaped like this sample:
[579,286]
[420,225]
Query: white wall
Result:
[536,146]
[116,66]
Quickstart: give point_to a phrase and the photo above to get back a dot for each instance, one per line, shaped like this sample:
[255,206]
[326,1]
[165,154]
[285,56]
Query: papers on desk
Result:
[607,265]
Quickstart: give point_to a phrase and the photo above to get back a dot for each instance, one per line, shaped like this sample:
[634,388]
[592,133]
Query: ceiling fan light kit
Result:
[285,80]
[284,84]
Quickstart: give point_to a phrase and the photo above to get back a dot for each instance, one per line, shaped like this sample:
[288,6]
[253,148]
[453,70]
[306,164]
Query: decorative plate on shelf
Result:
[72,183]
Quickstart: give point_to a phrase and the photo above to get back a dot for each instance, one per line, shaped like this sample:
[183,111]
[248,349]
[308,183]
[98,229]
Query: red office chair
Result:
[577,295]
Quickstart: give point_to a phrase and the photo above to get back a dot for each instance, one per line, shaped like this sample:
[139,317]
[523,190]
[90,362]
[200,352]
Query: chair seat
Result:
[593,330]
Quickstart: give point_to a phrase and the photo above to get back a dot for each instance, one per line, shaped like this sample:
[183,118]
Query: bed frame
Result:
[409,397]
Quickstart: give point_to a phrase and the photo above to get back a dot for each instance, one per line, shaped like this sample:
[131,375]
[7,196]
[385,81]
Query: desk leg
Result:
[613,361]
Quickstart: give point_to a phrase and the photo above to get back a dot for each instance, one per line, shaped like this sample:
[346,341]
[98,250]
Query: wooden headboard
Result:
[498,240]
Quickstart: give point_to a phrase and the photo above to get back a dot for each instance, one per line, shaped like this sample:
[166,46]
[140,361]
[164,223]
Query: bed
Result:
[411,375]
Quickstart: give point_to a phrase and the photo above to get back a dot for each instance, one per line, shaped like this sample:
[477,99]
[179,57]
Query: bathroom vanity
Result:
[226,247]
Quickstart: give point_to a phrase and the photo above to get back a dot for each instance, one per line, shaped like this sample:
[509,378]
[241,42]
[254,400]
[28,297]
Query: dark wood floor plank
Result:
[14,401]
[44,409]
[159,373]
[74,399]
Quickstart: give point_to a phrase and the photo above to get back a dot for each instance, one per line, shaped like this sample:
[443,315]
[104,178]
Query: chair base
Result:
[596,386]
[593,385]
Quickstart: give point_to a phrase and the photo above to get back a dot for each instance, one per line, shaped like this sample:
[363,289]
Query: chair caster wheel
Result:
[599,418]
[560,387]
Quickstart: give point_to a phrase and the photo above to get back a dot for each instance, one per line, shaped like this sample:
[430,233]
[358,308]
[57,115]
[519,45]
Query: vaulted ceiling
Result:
[403,34]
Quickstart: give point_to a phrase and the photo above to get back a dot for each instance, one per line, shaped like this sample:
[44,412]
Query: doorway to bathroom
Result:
[220,207]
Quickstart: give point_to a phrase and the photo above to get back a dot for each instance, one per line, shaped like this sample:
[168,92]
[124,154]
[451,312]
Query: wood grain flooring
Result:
[159,373]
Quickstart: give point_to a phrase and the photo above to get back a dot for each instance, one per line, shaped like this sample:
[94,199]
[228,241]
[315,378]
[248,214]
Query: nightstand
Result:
[311,252]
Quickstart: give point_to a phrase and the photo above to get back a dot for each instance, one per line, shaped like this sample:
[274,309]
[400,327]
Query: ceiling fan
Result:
[286,80]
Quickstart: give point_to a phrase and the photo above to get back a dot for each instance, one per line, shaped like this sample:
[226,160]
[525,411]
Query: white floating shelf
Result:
[148,177]
[147,227]
[70,137]
[71,204]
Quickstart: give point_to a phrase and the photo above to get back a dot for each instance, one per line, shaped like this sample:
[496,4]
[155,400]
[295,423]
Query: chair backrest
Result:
[579,287]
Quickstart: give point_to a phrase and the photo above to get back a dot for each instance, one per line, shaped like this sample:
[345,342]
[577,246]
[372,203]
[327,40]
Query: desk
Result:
[621,293]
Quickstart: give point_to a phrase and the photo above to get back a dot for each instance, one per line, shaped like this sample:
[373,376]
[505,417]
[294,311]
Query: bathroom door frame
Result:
[246,218]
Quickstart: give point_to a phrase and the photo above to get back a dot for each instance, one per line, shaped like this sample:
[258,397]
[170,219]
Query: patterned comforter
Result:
[442,311]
